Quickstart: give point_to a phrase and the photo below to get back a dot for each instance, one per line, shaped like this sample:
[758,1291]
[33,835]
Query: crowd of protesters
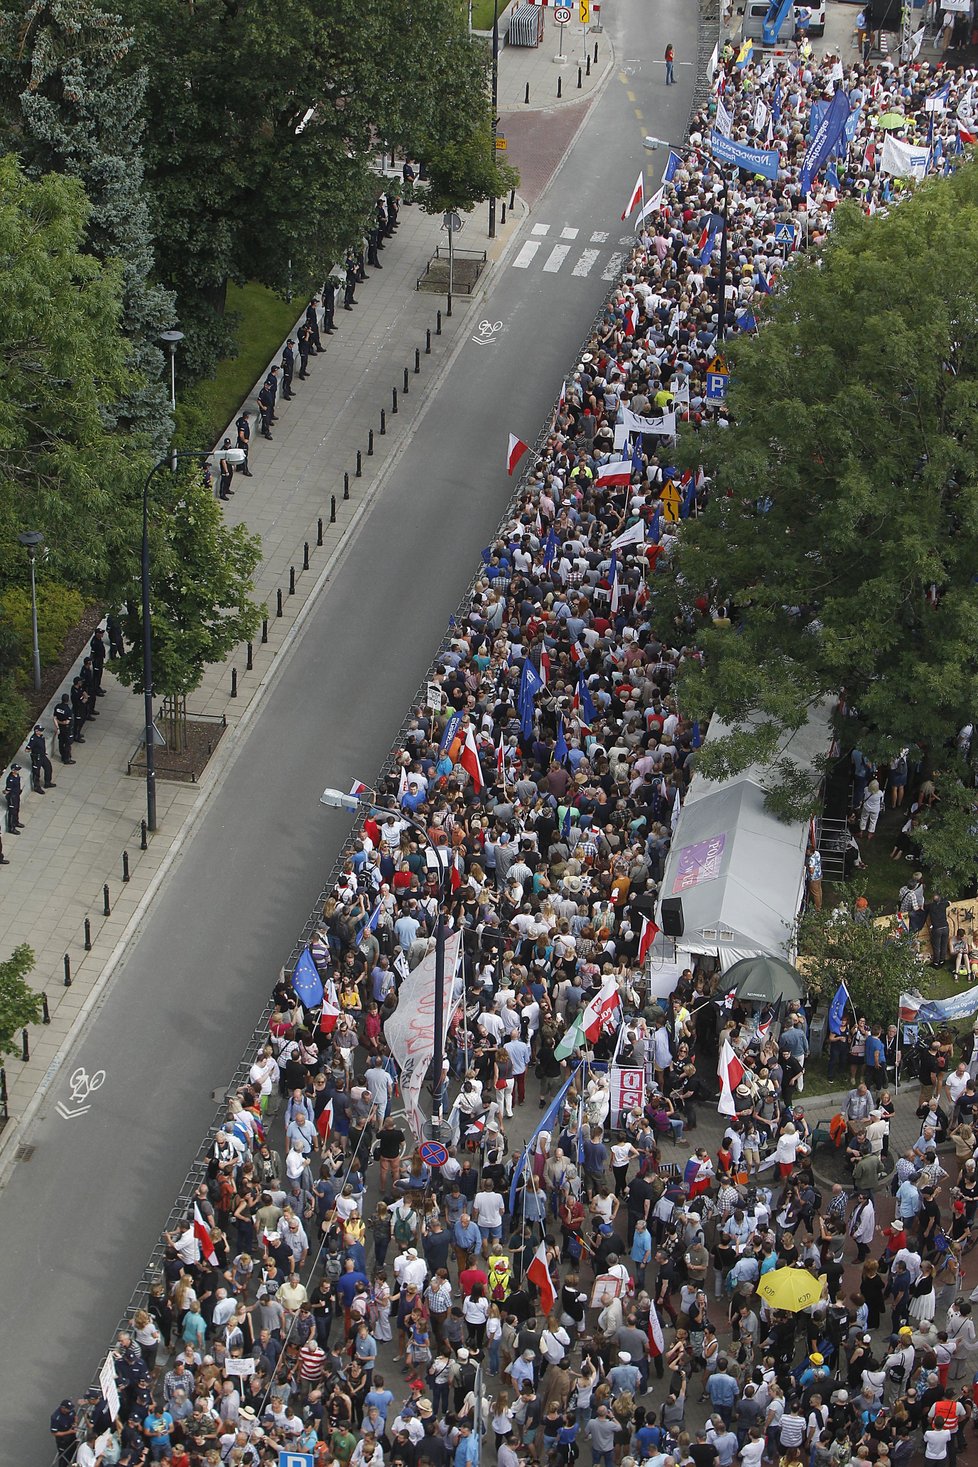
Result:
[329,1292]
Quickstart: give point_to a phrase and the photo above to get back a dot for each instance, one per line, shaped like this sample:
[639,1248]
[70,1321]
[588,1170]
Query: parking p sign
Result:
[287,1458]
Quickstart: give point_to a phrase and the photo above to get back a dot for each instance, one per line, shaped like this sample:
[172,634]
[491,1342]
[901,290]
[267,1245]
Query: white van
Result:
[755,13]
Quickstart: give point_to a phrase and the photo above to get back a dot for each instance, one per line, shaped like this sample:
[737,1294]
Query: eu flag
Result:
[550,549]
[588,711]
[560,747]
[306,981]
[837,1008]
[530,684]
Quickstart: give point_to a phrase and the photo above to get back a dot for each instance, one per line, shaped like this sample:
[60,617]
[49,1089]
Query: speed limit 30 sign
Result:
[562,15]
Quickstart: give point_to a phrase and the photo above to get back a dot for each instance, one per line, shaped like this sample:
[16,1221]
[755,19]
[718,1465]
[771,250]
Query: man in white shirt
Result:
[409,1268]
[487,1209]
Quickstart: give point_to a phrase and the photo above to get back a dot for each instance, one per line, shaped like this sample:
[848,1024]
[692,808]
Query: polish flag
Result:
[599,1013]
[656,1342]
[616,471]
[203,1236]
[501,760]
[649,934]
[637,196]
[545,667]
[469,760]
[455,872]
[358,788]
[631,318]
[577,653]
[965,135]
[514,453]
[615,595]
[730,1073]
[539,1273]
[324,1121]
[330,1011]
[402,783]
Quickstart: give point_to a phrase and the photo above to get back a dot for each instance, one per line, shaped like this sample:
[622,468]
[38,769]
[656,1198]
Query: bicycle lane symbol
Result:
[81,1085]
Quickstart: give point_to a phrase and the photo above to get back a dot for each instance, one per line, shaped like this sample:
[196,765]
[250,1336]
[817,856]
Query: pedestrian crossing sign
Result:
[671,500]
[784,234]
[584,11]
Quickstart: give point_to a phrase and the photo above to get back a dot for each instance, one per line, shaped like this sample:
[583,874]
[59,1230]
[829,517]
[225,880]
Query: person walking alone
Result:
[670,58]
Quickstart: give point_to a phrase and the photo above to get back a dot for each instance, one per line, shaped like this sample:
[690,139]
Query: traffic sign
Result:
[451,221]
[433,1153]
[671,500]
[501,145]
[784,234]
[288,1458]
[584,11]
[562,15]
[716,380]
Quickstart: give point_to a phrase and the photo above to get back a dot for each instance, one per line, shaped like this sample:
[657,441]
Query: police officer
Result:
[393,209]
[329,306]
[265,410]
[37,747]
[117,646]
[87,676]
[304,348]
[79,709]
[373,243]
[64,1421]
[349,289]
[62,722]
[243,427]
[96,648]
[312,325]
[226,471]
[288,369]
[271,382]
[13,789]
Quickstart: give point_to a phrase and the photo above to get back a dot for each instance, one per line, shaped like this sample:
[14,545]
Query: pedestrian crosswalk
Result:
[552,248]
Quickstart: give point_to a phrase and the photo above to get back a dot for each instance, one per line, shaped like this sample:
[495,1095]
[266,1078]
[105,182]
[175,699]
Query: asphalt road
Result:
[79,1219]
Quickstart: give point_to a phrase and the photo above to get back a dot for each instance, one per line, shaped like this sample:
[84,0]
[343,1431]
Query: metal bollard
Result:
[234,682]
[291,580]
[249,657]
[359,464]
[503,215]
[319,530]
[383,423]
[45,1015]
[370,443]
[278,602]
[305,556]
[394,401]
[26,1046]
[580,78]
[526,95]
[407,382]
[264,629]
[332,509]
[417,360]
[125,865]
[88,935]
[512,199]
[427,343]
[142,835]
[106,909]
[438,324]
[560,83]
[346,485]
[595,53]
[588,72]
[67,967]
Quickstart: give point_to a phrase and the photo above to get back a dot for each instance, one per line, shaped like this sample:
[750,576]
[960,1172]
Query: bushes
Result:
[59,608]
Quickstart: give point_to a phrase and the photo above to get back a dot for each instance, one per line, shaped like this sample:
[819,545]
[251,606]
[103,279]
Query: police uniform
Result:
[373,242]
[349,290]
[329,310]
[265,410]
[226,470]
[13,789]
[312,324]
[40,763]
[243,426]
[288,368]
[79,709]
[96,650]
[62,722]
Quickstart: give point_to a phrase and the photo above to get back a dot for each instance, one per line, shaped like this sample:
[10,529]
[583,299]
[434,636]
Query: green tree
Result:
[62,356]
[465,173]
[874,963]
[73,103]
[843,524]
[202,582]
[20,1005]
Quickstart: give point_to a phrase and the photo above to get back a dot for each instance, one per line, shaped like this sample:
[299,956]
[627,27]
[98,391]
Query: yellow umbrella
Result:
[791,1288]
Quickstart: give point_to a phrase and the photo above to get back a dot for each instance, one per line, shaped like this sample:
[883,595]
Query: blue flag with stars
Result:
[697,736]
[549,549]
[638,447]
[306,981]
[588,711]
[530,684]
[560,747]
[565,825]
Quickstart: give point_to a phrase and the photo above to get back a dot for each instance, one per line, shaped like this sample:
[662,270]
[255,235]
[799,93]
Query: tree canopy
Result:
[20,1005]
[842,528]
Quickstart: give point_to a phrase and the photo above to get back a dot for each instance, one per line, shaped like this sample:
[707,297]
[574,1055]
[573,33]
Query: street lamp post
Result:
[495,102]
[32,540]
[233,455]
[337,800]
[172,340]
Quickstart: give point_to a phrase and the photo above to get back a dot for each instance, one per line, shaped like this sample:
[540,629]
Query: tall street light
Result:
[495,103]
[32,540]
[172,340]
[337,800]
[234,456]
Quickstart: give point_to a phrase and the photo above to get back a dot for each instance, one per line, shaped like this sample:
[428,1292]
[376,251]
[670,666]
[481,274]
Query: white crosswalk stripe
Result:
[522,261]
[569,233]
[599,236]
[556,258]
[614,264]
[541,229]
[586,262]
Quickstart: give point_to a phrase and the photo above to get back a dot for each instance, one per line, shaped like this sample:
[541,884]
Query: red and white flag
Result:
[514,453]
[324,1121]
[330,1012]
[202,1235]
[631,318]
[577,653]
[539,1273]
[730,1073]
[600,1012]
[402,783]
[966,135]
[545,667]
[637,196]
[358,788]
[615,595]
[649,934]
[469,760]
[501,760]
[616,471]
[656,1342]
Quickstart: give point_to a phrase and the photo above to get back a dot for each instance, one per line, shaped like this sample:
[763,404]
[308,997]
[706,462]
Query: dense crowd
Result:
[332,1294]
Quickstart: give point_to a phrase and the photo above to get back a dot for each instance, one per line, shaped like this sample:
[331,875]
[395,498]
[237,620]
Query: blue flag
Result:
[697,736]
[565,824]
[672,164]
[369,924]
[306,981]
[838,1007]
[656,532]
[713,227]
[764,161]
[830,128]
[530,684]
[548,1120]
[638,446]
[549,549]
[688,496]
[832,177]
[560,747]
[588,711]
[451,732]
[776,103]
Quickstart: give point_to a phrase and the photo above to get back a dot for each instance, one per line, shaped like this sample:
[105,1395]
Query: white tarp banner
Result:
[662,423]
[410,1030]
[903,160]
[106,1380]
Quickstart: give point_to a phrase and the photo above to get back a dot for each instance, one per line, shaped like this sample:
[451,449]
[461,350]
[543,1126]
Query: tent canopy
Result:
[739,870]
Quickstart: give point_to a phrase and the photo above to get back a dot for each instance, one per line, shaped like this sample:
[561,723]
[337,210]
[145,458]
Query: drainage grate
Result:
[23,1153]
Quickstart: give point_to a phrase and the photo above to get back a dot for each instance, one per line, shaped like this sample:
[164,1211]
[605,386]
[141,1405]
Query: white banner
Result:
[106,1380]
[724,119]
[627,1089]
[242,1368]
[903,160]
[410,1030]
[662,423]
[634,535]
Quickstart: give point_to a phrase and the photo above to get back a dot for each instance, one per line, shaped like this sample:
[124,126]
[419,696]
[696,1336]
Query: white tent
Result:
[739,870]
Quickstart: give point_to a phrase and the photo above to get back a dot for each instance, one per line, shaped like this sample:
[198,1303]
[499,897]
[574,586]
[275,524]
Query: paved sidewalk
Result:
[74,837]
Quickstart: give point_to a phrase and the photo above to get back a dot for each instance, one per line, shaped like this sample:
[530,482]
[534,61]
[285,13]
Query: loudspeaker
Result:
[671,912]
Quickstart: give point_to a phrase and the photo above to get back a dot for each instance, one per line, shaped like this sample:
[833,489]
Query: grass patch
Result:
[482,14]
[264,322]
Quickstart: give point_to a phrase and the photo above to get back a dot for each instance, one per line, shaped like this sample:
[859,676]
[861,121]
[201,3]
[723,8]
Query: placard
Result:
[606,1283]
[627,1090]
[242,1368]
[106,1380]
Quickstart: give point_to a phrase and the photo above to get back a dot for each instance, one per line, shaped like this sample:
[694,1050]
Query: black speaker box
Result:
[671,912]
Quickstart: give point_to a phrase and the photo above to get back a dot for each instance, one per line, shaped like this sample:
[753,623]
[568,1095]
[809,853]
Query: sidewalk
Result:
[74,837]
